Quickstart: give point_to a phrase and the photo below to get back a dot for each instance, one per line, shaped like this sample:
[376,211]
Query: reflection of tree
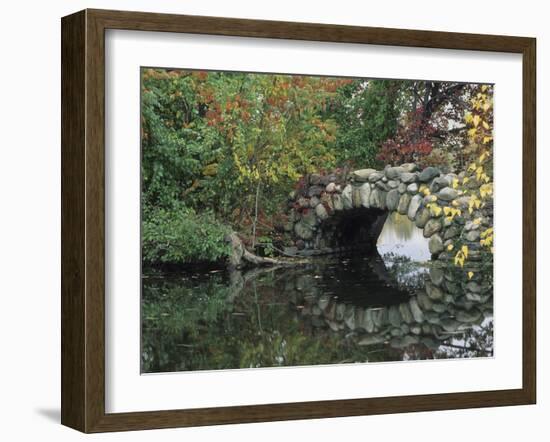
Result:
[248,320]
[399,227]
[476,342]
[308,315]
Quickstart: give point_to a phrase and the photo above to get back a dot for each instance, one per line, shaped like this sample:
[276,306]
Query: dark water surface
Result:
[337,309]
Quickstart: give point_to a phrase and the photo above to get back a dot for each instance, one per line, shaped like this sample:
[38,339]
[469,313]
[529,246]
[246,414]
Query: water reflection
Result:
[339,309]
[401,237]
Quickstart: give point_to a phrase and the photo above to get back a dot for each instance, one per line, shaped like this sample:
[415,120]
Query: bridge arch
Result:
[346,211]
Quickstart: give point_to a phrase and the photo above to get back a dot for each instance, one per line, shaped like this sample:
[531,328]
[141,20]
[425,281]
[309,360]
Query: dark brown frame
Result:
[83,216]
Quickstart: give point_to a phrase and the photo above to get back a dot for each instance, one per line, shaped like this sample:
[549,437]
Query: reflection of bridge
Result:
[339,212]
[361,301]
[445,308]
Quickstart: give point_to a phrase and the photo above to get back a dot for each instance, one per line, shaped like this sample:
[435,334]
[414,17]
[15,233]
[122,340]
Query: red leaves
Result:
[412,143]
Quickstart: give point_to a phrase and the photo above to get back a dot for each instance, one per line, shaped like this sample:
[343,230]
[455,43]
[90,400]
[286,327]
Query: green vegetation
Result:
[182,236]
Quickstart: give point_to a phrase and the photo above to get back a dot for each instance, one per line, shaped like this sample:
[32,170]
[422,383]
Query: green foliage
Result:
[233,144]
[182,236]
[366,112]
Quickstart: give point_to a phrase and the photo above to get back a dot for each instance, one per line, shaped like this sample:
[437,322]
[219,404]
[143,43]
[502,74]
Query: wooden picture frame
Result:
[83,220]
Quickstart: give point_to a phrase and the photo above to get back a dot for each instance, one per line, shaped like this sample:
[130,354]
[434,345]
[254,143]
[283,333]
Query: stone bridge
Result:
[346,211]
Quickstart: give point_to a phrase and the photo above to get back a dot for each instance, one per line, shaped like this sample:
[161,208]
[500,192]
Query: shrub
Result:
[180,236]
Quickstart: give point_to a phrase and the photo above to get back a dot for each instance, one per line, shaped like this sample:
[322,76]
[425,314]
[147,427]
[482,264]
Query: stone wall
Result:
[319,208]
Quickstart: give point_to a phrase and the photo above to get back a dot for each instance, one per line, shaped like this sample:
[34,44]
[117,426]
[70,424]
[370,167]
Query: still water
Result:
[395,305]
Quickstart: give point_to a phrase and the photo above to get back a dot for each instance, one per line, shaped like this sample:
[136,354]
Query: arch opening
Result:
[350,230]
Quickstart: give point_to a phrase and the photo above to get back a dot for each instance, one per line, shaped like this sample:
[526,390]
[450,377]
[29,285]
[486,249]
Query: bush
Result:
[180,236]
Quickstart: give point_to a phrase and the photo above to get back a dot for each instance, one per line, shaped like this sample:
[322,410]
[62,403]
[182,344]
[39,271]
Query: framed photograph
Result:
[270,220]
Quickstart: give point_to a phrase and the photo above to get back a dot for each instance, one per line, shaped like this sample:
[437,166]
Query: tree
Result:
[430,132]
[366,112]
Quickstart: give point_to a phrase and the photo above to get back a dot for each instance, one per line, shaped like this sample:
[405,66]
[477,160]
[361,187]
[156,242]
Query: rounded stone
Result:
[394,172]
[435,244]
[356,196]
[347,197]
[416,311]
[412,188]
[472,235]
[409,167]
[422,217]
[321,212]
[375,176]
[403,205]
[439,183]
[414,205]
[428,174]
[471,316]
[408,177]
[433,291]
[447,194]
[362,175]
[431,227]
[451,232]
[392,199]
[364,194]
[337,202]
[378,198]
[436,275]
[392,184]
[406,312]
[303,230]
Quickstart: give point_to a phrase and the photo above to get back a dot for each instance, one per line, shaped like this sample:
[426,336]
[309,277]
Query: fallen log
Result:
[240,256]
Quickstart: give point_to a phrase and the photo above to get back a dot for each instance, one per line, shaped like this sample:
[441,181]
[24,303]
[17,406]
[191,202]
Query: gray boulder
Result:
[428,174]
[362,175]
[392,199]
[414,205]
[431,227]
[447,194]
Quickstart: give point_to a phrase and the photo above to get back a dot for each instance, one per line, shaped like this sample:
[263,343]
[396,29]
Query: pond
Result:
[381,307]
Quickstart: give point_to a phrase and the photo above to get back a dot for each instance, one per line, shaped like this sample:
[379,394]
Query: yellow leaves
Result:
[472,166]
[461,256]
[470,274]
[210,169]
[435,209]
[484,88]
[455,183]
[487,238]
[426,191]
[485,125]
[450,213]
[459,259]
[476,120]
[472,132]
[465,180]
[450,247]
[486,190]
[468,118]
[477,221]
[479,172]
[487,139]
